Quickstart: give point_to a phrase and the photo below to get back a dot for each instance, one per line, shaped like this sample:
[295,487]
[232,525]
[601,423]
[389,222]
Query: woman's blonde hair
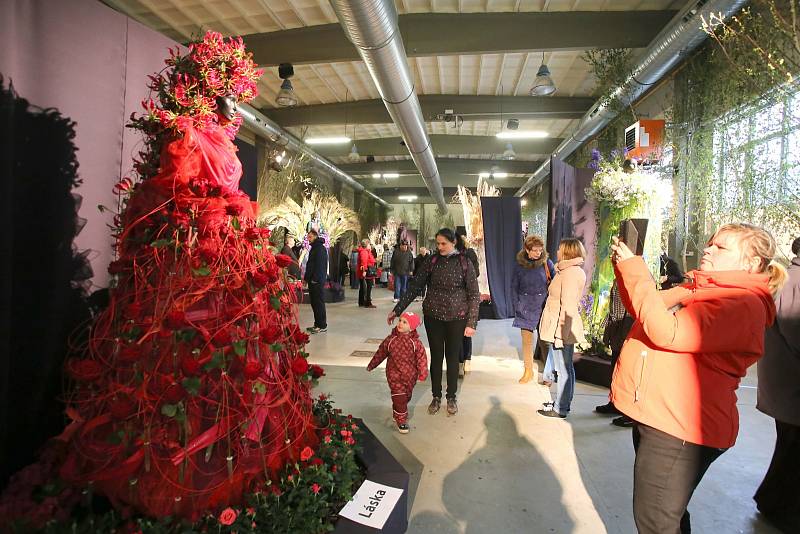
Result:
[569,248]
[757,243]
[533,241]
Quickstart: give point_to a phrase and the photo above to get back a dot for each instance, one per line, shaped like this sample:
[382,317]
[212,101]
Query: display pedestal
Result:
[593,369]
[380,467]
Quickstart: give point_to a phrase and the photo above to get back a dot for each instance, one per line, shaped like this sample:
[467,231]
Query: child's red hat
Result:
[413,319]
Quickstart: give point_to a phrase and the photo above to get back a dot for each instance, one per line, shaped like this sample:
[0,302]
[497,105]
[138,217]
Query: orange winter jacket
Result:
[678,371]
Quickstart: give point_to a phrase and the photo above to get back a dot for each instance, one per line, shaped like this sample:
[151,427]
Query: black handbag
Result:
[372,271]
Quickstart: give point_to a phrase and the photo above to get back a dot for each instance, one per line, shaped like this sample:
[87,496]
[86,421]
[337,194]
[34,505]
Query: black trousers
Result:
[778,496]
[317,297]
[666,472]
[365,291]
[466,349]
[445,340]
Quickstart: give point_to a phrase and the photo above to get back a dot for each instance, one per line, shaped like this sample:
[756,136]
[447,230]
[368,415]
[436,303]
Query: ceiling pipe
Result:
[260,124]
[371,25]
[673,44]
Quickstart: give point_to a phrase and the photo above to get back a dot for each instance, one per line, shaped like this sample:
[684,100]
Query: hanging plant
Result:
[612,67]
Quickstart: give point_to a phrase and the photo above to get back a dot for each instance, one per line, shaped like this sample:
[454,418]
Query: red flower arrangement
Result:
[300,365]
[283,260]
[228,516]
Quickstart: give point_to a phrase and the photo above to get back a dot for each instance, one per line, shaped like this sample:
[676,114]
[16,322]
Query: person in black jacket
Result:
[316,276]
[671,274]
[288,248]
[465,360]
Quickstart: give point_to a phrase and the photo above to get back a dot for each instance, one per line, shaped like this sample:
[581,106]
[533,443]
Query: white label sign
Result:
[372,504]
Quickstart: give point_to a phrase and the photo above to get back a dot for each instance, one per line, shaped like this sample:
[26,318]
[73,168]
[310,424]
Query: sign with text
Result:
[372,504]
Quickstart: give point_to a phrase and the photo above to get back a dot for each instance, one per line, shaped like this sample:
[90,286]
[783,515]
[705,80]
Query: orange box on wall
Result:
[644,139]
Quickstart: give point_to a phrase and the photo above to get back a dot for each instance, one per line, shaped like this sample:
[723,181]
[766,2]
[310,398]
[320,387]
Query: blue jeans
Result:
[400,285]
[563,366]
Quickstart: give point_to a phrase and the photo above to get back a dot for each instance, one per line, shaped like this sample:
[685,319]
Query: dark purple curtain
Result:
[502,230]
[571,215]
[248,156]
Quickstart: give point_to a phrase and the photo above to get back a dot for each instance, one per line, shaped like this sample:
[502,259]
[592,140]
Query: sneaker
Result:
[550,413]
[316,330]
[452,407]
[433,407]
[370,306]
[403,429]
[623,420]
[547,404]
[607,409]
[395,300]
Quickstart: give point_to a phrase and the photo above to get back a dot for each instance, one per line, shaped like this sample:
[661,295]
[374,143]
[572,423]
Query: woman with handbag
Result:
[532,274]
[367,271]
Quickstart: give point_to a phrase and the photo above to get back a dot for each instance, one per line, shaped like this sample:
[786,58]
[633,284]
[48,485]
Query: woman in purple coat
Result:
[532,275]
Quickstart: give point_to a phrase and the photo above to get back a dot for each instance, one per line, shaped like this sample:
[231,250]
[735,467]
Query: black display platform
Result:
[333,293]
[381,467]
[592,369]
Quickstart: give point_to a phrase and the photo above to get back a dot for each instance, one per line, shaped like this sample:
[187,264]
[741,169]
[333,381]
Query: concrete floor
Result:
[497,467]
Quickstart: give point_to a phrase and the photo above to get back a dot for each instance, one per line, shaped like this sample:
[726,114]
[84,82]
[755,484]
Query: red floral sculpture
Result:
[195,388]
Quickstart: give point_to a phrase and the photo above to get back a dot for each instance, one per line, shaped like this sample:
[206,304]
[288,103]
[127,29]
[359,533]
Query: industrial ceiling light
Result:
[543,85]
[391,175]
[376,175]
[286,97]
[522,134]
[509,153]
[407,198]
[334,140]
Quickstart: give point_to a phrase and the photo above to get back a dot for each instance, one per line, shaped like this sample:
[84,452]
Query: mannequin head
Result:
[227,107]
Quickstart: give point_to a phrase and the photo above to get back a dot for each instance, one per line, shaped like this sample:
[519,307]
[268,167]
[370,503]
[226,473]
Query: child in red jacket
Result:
[407,364]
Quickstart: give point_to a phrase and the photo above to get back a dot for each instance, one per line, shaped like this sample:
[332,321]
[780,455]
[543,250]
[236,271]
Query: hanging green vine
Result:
[611,67]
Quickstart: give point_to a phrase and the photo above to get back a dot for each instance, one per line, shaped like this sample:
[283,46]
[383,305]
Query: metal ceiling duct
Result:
[371,25]
[682,35]
[260,124]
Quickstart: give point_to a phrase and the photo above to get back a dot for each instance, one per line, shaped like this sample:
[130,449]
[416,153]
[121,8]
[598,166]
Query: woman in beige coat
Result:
[561,325]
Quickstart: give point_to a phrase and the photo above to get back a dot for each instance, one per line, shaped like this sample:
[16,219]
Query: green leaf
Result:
[169,410]
[217,361]
[191,385]
[240,347]
[276,347]
[275,302]
[235,223]
[201,271]
[160,243]
[259,387]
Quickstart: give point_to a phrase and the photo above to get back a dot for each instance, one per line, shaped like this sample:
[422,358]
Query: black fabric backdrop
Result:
[248,156]
[502,230]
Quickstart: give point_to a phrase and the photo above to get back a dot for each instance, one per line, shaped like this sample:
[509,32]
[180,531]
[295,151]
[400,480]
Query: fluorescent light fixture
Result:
[327,140]
[500,174]
[484,174]
[407,198]
[391,175]
[522,134]
[376,175]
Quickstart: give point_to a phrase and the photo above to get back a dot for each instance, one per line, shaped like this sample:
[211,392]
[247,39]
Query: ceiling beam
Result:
[452,181]
[470,107]
[435,34]
[447,166]
[442,144]
[391,194]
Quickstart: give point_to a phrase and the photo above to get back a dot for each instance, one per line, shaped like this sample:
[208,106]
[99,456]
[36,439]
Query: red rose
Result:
[275,490]
[306,453]
[300,337]
[315,488]
[210,221]
[190,366]
[283,260]
[208,252]
[84,370]
[199,186]
[252,234]
[179,220]
[122,407]
[272,333]
[252,369]
[265,232]
[273,273]
[299,365]
[129,353]
[317,371]
[175,320]
[228,516]
[317,462]
[117,267]
[234,209]
[260,279]
[222,338]
[174,394]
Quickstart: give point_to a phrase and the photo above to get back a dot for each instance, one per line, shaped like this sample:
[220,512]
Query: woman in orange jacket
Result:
[682,362]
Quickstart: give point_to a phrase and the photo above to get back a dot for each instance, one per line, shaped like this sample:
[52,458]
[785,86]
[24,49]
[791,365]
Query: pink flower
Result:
[228,516]
[315,488]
